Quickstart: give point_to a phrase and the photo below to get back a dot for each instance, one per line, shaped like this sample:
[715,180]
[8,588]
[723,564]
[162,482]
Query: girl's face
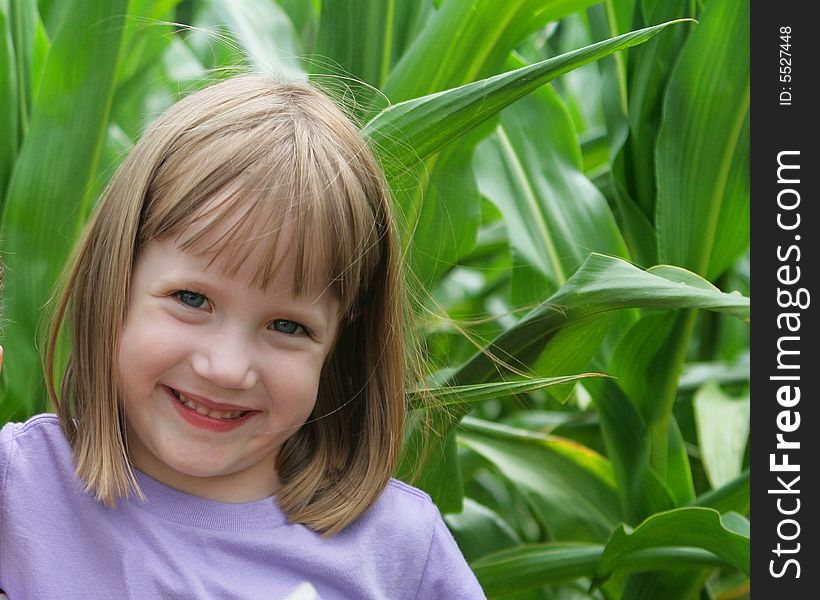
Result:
[216,374]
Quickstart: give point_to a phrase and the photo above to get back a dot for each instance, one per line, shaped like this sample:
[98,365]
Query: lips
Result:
[207,414]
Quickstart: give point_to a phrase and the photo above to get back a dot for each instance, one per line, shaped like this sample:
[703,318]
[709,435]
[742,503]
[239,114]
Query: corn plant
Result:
[571,182]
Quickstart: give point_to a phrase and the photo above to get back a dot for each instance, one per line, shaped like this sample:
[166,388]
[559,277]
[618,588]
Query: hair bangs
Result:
[308,201]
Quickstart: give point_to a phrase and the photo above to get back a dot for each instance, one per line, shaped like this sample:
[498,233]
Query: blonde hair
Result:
[277,152]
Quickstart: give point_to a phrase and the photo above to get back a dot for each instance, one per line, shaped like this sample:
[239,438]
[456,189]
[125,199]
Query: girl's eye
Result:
[192,299]
[287,327]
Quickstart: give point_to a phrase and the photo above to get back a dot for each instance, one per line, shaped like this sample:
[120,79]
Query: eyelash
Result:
[180,294]
[300,329]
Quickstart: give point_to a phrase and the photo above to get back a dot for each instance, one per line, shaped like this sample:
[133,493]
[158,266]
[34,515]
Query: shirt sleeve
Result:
[447,576]
[6,441]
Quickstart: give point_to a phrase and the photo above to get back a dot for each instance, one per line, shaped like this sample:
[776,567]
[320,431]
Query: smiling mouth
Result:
[205,411]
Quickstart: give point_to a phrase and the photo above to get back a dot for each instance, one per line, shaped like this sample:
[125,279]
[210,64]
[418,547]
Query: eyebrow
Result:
[201,284]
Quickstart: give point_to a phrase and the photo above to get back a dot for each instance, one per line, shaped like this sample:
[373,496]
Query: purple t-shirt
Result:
[57,541]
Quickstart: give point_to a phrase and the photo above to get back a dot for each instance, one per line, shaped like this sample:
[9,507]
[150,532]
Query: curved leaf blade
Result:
[536,565]
[445,396]
[725,536]
[407,132]
[570,488]
[469,38]
[602,284]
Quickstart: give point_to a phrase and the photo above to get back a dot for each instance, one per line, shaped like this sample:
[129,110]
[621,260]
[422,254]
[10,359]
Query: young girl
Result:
[232,405]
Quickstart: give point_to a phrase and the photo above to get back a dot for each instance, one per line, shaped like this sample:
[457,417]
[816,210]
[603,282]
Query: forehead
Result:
[239,237]
[164,264]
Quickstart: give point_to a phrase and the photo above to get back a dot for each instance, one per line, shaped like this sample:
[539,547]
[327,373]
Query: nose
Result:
[226,360]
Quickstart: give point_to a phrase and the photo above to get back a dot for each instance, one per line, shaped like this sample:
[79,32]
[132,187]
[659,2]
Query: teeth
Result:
[214,414]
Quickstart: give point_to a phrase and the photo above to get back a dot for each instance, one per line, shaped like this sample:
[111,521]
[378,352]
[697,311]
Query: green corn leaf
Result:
[366,37]
[446,343]
[9,110]
[648,68]
[444,396]
[359,42]
[41,216]
[669,584]
[469,39]
[725,536]
[537,565]
[410,20]
[626,435]
[723,429]
[570,488]
[618,16]
[42,46]
[407,132]
[678,469]
[51,14]
[148,32]
[436,203]
[703,146]
[266,35]
[732,496]
[480,531]
[442,479]
[635,361]
[440,211]
[637,229]
[680,275]
[303,15]
[602,284]
[720,371]
[564,354]
[24,19]
[554,215]
[648,362]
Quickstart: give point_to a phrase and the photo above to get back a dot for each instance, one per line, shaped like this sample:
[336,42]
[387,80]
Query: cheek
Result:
[146,350]
[293,383]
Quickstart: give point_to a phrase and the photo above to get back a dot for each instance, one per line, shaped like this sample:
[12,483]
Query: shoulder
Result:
[406,527]
[36,447]
[402,510]
[42,422]
[400,495]
[39,430]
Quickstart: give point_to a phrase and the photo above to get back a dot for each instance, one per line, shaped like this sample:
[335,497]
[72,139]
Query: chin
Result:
[194,466]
